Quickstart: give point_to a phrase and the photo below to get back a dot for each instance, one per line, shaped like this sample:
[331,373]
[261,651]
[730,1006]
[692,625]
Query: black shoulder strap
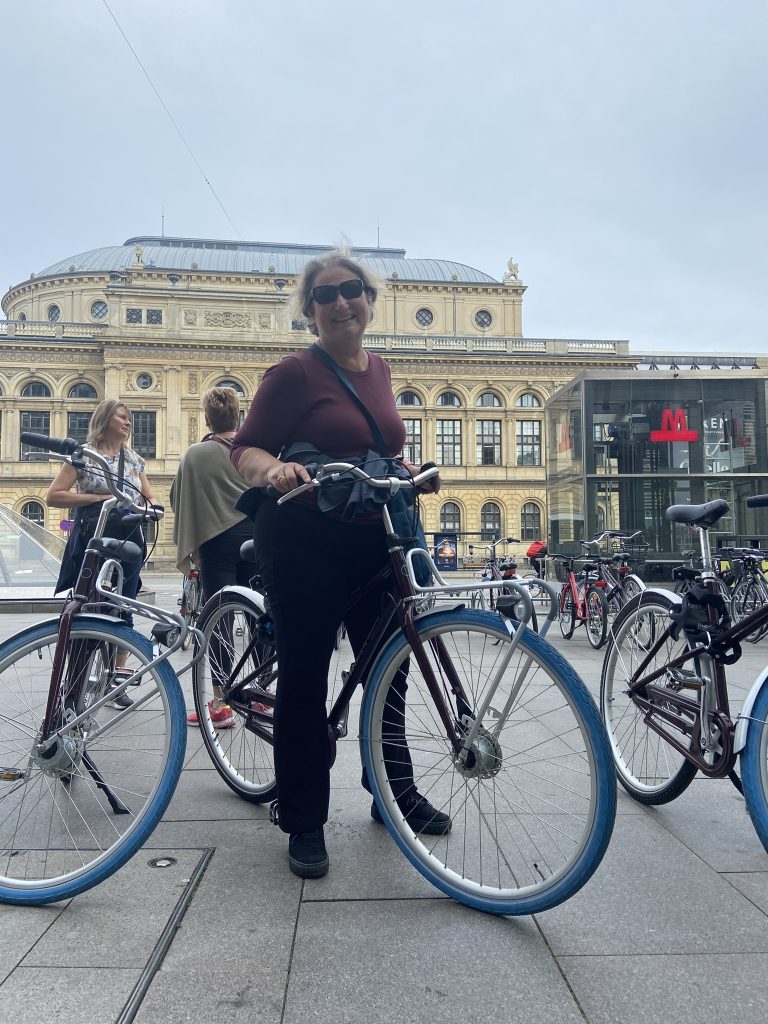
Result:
[331,362]
[121,468]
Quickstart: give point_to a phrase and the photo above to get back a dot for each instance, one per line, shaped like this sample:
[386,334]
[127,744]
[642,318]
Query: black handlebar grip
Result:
[61,445]
[758,501]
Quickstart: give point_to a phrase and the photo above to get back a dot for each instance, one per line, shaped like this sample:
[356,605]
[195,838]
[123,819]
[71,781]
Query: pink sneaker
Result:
[221,716]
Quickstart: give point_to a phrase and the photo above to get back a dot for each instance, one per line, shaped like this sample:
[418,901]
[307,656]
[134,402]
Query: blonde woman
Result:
[108,433]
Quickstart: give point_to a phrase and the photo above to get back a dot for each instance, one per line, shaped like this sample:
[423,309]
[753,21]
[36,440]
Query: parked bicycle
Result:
[82,786]
[582,600]
[750,587]
[503,734]
[506,569]
[663,692]
[191,602]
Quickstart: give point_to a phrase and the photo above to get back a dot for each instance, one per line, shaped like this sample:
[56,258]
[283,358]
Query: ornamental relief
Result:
[192,383]
[225,318]
[192,429]
[265,321]
[190,318]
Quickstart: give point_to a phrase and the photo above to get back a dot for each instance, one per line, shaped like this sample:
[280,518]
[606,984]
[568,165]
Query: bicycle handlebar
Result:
[331,472]
[60,445]
[68,449]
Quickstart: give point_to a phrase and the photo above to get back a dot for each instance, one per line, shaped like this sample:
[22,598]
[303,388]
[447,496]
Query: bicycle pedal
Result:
[274,813]
[684,679]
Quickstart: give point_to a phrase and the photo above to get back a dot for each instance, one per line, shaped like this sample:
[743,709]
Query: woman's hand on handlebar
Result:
[285,476]
[431,486]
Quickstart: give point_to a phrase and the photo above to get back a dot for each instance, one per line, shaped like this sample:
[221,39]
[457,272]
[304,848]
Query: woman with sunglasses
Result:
[310,561]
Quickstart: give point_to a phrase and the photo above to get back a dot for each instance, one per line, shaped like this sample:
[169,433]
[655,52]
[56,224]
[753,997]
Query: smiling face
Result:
[342,321]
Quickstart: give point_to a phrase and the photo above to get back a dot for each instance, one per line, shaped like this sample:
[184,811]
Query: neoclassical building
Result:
[156,321]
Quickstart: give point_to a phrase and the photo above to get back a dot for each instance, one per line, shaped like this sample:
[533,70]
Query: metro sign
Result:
[674,427]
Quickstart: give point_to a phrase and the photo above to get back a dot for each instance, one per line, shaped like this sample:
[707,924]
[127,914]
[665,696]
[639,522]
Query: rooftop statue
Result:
[511,274]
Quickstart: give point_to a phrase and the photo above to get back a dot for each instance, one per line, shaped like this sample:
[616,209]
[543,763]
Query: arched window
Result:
[36,389]
[528,401]
[530,521]
[34,512]
[488,398]
[449,398]
[82,390]
[54,314]
[490,520]
[408,398]
[450,517]
[236,387]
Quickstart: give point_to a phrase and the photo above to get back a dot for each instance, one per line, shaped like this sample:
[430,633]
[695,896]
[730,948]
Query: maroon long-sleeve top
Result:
[302,399]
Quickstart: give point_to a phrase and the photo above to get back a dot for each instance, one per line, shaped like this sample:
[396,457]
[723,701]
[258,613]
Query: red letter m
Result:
[674,427]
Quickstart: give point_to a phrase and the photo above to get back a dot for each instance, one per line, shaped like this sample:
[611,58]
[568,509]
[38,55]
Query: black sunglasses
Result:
[325,293]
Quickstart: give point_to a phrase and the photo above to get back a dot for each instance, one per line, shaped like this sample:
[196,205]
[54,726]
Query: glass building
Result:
[620,450]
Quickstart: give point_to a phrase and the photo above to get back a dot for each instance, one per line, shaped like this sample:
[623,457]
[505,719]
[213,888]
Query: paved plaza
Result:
[674,921]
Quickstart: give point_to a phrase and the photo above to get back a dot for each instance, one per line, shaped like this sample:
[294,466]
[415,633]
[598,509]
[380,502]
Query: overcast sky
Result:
[616,150]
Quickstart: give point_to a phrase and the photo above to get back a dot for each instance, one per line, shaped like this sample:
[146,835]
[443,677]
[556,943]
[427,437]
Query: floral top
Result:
[90,481]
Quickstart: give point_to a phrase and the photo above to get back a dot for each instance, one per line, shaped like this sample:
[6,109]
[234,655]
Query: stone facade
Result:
[157,339]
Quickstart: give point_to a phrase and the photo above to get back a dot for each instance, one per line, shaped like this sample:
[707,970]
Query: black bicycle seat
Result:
[698,515]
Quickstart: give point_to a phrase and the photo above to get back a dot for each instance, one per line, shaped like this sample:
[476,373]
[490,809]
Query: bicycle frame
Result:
[713,704]
[402,610]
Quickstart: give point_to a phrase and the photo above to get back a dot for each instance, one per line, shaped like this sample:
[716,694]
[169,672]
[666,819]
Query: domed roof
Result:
[255,258]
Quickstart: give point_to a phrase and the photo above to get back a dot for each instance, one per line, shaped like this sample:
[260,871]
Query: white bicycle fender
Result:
[251,596]
[742,722]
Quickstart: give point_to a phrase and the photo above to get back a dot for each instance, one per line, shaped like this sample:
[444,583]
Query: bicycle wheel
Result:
[597,616]
[59,834]
[190,606]
[240,659]
[631,586]
[648,767]
[533,807]
[748,597]
[754,766]
[567,613]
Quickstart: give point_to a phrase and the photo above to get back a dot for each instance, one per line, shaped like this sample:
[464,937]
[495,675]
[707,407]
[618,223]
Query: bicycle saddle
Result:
[247,552]
[698,515]
[111,547]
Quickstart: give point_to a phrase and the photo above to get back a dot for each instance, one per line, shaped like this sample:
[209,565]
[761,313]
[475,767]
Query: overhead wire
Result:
[172,119]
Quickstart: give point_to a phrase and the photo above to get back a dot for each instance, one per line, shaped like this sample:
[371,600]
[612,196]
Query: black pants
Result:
[220,561]
[310,565]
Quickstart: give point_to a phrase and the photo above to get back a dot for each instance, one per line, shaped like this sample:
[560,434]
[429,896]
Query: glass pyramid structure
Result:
[30,557]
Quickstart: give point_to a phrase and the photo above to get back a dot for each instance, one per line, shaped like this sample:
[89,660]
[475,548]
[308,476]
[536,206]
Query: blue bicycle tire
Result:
[426,853]
[19,657]
[754,766]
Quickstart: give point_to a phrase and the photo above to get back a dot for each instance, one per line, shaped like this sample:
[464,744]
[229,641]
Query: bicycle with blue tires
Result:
[502,734]
[83,782]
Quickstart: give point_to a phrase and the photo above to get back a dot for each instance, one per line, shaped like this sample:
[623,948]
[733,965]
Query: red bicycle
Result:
[583,600]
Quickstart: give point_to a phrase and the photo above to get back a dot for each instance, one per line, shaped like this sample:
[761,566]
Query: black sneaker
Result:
[420,815]
[120,701]
[307,856]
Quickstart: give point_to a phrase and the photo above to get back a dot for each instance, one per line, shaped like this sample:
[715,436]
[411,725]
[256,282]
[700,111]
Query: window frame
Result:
[482,444]
[448,439]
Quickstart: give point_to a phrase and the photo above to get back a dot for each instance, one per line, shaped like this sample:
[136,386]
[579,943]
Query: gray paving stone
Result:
[202,794]
[754,885]
[230,958]
[660,989]
[243,835]
[421,961]
[711,818]
[118,922]
[648,895]
[82,995]
[21,928]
